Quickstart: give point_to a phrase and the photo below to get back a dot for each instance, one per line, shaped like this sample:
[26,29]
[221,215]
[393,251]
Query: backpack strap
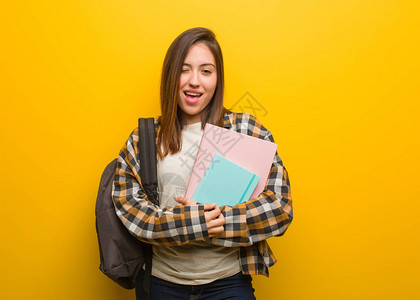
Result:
[148,176]
[147,149]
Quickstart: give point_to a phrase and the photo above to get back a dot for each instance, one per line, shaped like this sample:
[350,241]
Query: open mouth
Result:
[192,97]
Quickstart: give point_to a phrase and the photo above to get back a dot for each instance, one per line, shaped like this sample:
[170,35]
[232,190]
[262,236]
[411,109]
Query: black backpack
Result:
[122,255]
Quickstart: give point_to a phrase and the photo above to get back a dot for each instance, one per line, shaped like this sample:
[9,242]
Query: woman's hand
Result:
[185,201]
[214,217]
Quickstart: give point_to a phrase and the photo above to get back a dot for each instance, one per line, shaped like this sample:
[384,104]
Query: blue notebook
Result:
[225,183]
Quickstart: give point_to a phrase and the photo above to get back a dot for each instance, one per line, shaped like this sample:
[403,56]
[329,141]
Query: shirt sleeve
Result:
[270,214]
[168,226]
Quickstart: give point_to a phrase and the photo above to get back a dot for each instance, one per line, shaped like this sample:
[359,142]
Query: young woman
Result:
[200,251]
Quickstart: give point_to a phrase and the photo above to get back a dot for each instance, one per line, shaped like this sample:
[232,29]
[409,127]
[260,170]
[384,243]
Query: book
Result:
[225,183]
[252,153]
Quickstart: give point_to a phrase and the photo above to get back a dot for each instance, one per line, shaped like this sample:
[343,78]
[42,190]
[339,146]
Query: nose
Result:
[194,80]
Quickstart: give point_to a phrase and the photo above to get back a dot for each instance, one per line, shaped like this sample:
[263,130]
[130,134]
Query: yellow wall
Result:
[340,81]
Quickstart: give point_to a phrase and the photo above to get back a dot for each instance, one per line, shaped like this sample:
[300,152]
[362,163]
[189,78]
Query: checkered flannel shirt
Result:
[248,224]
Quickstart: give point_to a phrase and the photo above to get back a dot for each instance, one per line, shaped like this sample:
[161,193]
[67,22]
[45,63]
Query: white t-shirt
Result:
[196,262]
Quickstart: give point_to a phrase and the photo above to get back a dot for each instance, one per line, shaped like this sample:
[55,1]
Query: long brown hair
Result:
[171,121]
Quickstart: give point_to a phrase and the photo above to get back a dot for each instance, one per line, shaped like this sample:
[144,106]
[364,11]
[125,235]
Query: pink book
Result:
[254,154]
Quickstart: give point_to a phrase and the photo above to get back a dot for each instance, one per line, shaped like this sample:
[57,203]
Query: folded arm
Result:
[270,214]
[165,226]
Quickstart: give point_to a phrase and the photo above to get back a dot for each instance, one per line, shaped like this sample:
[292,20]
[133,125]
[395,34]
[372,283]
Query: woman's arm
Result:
[165,226]
[270,214]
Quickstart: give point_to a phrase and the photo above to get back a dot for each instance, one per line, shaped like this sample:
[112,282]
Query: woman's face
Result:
[197,82]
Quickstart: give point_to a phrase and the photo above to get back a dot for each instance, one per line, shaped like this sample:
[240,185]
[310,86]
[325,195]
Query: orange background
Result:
[339,83]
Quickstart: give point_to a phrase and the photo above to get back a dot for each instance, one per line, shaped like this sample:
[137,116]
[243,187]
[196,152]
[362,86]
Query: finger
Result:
[221,217]
[216,222]
[216,225]
[212,214]
[213,231]
[215,212]
[180,200]
[189,201]
[209,206]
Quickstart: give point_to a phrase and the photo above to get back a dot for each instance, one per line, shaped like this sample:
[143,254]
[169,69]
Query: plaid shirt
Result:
[248,224]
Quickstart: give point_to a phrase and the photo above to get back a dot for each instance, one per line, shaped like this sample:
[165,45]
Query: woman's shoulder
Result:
[156,122]
[134,135]
[241,117]
[246,123]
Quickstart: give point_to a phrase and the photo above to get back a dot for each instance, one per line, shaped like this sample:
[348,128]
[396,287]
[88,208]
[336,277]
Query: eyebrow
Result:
[202,65]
